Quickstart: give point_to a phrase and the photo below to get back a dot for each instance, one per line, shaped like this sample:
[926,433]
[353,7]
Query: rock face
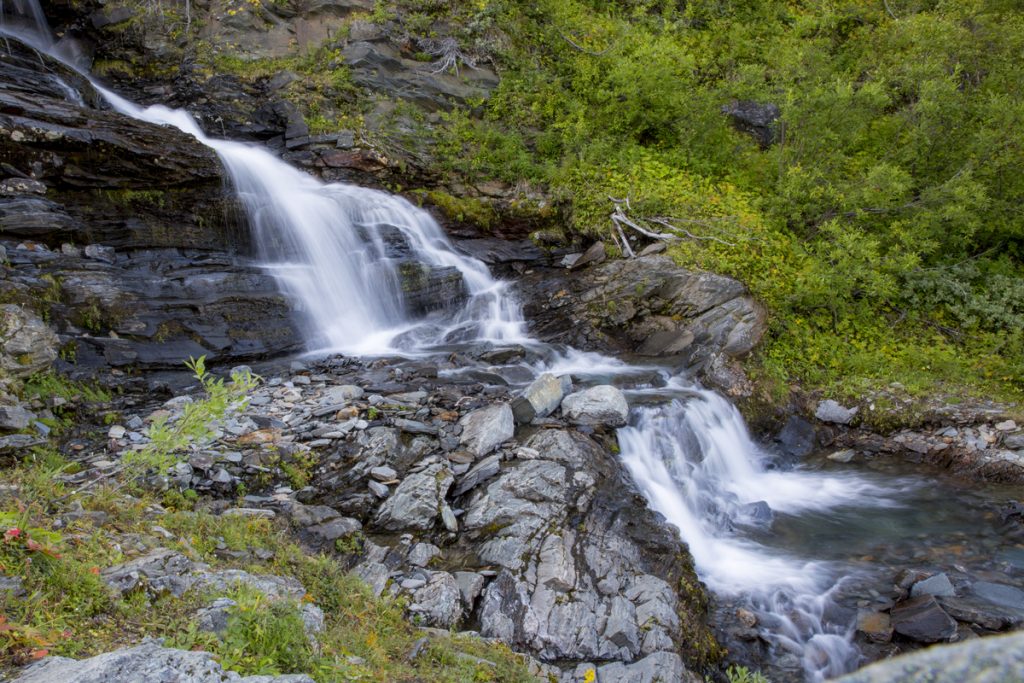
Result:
[163,273]
[27,345]
[983,660]
[146,662]
[601,588]
[647,305]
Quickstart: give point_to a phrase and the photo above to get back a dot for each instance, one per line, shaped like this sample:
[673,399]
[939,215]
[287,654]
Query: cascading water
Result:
[331,247]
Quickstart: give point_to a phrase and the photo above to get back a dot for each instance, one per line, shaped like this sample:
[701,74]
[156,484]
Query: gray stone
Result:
[421,554]
[999,594]
[414,426]
[384,473]
[144,663]
[922,619]
[327,533]
[938,585]
[439,602]
[214,618]
[27,344]
[470,585]
[161,571]
[600,405]
[378,489]
[998,659]
[541,398]
[594,255]
[1014,441]
[100,253]
[660,667]
[15,417]
[479,473]
[485,429]
[981,612]
[340,394]
[374,574]
[416,502]
[831,411]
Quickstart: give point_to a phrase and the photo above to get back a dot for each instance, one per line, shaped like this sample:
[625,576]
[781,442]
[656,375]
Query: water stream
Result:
[332,249]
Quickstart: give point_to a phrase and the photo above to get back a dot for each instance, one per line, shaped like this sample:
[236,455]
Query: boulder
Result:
[485,429]
[27,344]
[145,662]
[439,602]
[416,502]
[758,119]
[980,660]
[600,405]
[541,398]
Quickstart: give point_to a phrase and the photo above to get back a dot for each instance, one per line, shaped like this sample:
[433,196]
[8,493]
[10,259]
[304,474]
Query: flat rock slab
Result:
[923,620]
[143,663]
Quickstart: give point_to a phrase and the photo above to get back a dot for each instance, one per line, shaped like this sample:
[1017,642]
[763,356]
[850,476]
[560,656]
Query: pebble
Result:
[117,432]
[1007,426]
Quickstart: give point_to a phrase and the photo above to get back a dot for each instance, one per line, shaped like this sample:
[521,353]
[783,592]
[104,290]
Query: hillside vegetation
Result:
[883,226]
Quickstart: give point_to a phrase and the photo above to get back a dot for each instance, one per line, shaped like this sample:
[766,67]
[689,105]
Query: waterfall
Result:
[339,251]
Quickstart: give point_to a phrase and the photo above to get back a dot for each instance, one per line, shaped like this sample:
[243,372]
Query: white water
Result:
[690,454]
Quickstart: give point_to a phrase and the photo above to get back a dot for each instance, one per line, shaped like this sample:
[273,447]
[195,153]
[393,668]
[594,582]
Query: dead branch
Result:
[620,218]
[584,50]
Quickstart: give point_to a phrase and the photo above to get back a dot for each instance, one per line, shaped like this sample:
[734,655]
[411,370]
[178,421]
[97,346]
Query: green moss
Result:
[462,209]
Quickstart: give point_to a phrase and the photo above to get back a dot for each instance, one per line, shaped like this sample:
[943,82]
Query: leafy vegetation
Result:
[882,228]
[195,426]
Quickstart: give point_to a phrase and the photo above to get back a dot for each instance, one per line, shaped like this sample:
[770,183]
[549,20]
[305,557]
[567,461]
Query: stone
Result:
[844,456]
[830,411]
[341,394]
[999,594]
[660,667]
[479,473]
[471,585]
[541,398]
[797,438]
[160,571]
[416,501]
[594,255]
[378,489]
[485,429]
[148,661]
[758,119]
[938,585]
[327,533]
[375,574]
[214,618]
[27,344]
[600,405]
[383,473]
[876,626]
[922,619]
[983,660]
[439,602]
[981,613]
[1006,426]
[14,418]
[421,554]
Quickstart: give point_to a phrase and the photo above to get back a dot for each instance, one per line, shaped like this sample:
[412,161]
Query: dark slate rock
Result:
[923,620]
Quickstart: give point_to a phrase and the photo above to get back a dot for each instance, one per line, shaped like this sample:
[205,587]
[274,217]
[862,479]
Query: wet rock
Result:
[983,660]
[592,256]
[541,398]
[877,626]
[416,502]
[922,619]
[831,411]
[27,344]
[981,613]
[146,662]
[485,429]
[999,594]
[600,405]
[494,251]
[797,438]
